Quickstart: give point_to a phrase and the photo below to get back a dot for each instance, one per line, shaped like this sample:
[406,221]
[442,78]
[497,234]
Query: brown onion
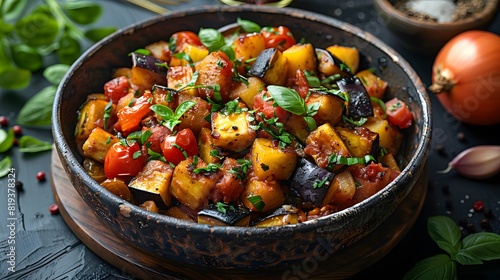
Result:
[466,77]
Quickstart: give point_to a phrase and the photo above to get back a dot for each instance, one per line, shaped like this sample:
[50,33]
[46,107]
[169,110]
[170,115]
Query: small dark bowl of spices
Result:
[426,25]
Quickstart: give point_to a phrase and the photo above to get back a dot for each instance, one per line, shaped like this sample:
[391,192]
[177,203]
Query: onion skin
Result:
[466,77]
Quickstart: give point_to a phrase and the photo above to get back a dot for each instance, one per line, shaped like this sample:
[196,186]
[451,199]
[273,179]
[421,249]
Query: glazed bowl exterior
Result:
[239,247]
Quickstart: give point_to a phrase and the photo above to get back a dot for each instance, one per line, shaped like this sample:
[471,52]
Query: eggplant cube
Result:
[271,66]
[324,142]
[148,71]
[360,104]
[285,215]
[221,214]
[311,182]
[153,183]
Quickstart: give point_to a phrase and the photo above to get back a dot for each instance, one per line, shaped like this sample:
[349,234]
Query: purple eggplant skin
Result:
[262,63]
[149,63]
[344,71]
[360,104]
[303,181]
[231,216]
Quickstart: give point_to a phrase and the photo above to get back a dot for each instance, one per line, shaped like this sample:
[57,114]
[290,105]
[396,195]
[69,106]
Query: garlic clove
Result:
[479,162]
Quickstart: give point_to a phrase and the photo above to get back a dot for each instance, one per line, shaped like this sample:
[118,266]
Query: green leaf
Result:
[439,267]
[14,78]
[6,139]
[288,99]
[30,144]
[163,111]
[27,57]
[248,26]
[479,246]
[69,49]
[12,9]
[37,110]
[5,165]
[55,73]
[82,12]
[445,233]
[97,34]
[37,29]
[211,38]
[182,108]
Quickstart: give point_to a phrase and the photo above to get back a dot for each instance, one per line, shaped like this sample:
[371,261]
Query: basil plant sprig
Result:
[291,101]
[51,27]
[473,249]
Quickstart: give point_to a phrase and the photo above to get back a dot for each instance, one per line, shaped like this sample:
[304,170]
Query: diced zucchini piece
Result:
[90,116]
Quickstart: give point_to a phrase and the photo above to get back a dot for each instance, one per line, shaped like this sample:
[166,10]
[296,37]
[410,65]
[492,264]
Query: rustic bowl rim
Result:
[411,171]
[480,18]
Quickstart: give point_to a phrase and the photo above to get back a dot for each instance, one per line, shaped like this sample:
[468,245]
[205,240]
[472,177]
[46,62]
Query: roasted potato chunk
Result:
[232,131]
[98,143]
[262,196]
[190,187]
[270,161]
[324,142]
[300,57]
[360,141]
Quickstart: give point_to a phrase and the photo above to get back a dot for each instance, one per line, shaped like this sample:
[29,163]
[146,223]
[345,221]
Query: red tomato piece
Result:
[279,37]
[178,147]
[178,39]
[116,88]
[398,113]
[266,107]
[123,161]
[129,118]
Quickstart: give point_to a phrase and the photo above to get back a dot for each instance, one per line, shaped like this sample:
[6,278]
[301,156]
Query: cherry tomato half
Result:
[263,105]
[116,88]
[123,161]
[178,147]
[178,39]
[279,37]
[398,113]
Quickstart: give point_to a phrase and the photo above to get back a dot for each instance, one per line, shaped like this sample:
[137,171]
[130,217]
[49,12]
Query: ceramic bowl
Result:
[428,36]
[239,247]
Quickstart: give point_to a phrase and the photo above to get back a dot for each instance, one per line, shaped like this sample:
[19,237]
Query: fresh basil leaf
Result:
[163,111]
[30,144]
[479,246]
[248,26]
[5,165]
[14,78]
[37,29]
[12,9]
[69,48]
[311,123]
[6,139]
[445,233]
[82,12]
[55,73]
[288,99]
[97,34]
[183,108]
[211,38]
[439,267]
[37,110]
[229,51]
[27,57]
